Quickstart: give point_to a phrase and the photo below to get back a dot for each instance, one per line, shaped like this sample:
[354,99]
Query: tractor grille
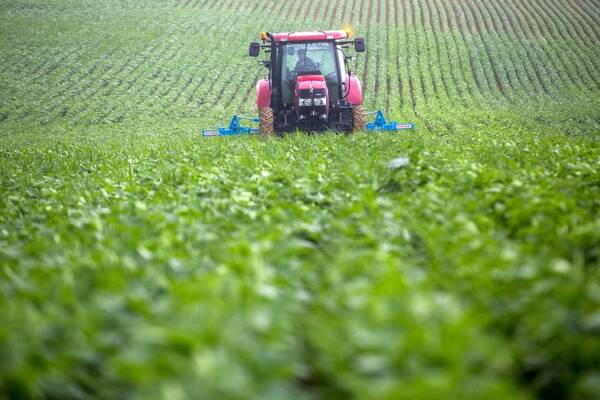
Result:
[305,93]
[319,92]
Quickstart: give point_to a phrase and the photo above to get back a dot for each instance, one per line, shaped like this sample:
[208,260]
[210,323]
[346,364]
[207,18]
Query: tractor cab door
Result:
[319,58]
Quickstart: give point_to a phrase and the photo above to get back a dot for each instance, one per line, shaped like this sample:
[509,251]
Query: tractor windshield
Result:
[312,57]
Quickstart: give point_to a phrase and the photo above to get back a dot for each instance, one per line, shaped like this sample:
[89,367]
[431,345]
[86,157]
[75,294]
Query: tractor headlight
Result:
[319,101]
[305,102]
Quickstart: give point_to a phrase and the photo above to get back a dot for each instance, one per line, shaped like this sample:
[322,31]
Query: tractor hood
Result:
[311,97]
[311,82]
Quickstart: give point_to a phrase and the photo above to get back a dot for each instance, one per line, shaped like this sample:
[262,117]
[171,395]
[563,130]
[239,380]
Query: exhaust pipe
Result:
[275,71]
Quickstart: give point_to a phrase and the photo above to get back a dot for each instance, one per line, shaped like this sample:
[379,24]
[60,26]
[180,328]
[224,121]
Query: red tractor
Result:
[309,86]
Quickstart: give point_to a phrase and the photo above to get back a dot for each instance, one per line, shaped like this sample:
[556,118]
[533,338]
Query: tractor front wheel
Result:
[359,118]
[265,114]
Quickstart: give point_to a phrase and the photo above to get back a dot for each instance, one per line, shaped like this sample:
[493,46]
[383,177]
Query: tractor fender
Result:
[355,96]
[263,93]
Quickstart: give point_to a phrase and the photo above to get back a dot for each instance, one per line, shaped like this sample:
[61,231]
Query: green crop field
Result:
[141,260]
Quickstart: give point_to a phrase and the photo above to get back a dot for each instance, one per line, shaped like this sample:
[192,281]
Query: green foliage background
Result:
[138,260]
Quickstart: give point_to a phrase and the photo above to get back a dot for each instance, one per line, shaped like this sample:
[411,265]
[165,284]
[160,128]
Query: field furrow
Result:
[565,43]
[549,52]
[529,60]
[423,55]
[335,17]
[493,72]
[418,77]
[436,62]
[73,82]
[397,50]
[587,26]
[476,63]
[388,56]
[451,63]
[593,14]
[373,18]
[141,258]
[135,83]
[589,53]
[407,52]
[467,85]
[518,80]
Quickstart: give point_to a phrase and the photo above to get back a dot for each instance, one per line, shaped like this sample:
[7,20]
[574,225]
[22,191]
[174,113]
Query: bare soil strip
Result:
[469,10]
[333,14]
[419,74]
[365,60]
[509,33]
[592,10]
[337,13]
[457,13]
[531,24]
[199,83]
[373,4]
[589,24]
[513,69]
[471,84]
[575,20]
[398,55]
[411,86]
[309,9]
[562,37]
[440,31]
[78,83]
[291,9]
[388,81]
[431,30]
[246,78]
[148,95]
[361,13]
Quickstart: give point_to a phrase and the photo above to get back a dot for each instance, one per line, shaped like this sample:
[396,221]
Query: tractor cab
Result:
[302,60]
[308,86]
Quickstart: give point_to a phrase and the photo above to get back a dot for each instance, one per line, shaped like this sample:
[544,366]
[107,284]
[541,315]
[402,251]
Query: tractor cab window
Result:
[302,58]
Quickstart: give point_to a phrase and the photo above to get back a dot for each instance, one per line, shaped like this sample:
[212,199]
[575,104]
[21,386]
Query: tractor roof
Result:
[313,35]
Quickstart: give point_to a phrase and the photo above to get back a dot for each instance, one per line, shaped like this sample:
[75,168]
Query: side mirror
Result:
[254,49]
[359,45]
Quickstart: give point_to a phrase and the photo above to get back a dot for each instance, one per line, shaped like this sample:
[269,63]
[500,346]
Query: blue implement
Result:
[235,128]
[380,124]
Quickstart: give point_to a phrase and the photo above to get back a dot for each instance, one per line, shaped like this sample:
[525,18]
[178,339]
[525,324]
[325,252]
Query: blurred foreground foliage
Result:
[152,263]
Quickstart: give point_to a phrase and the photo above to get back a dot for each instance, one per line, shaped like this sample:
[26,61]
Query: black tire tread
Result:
[359,119]
[265,114]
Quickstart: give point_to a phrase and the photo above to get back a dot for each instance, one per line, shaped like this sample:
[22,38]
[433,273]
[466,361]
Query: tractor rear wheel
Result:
[359,119]
[265,114]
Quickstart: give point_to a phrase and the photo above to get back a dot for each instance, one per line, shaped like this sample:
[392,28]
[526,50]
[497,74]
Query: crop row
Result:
[424,56]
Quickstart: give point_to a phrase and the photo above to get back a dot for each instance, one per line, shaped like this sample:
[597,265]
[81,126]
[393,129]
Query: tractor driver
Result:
[304,64]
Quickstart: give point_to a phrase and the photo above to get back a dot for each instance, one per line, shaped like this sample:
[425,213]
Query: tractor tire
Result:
[359,119]
[265,114]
